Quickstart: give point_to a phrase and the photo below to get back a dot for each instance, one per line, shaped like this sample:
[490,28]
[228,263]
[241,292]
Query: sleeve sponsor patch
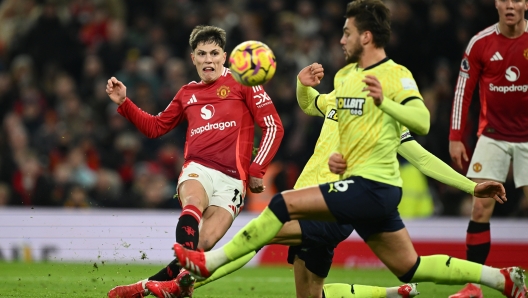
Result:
[408,84]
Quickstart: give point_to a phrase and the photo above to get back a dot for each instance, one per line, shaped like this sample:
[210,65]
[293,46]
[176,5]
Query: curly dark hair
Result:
[373,16]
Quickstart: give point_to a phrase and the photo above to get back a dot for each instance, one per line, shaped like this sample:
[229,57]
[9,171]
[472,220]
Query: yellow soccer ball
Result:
[252,63]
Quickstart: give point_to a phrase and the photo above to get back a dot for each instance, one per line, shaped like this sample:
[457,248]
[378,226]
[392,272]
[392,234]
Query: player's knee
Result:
[407,277]
[277,205]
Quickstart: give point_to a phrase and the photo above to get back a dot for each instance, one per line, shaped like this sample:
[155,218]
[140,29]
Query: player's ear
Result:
[192,58]
[366,37]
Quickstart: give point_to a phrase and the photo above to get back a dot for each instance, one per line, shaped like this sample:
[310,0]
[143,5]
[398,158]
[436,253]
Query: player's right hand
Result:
[491,189]
[116,90]
[256,185]
[337,163]
[457,150]
[311,75]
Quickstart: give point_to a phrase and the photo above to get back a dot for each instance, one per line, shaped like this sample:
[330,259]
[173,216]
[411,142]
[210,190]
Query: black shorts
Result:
[371,207]
[319,239]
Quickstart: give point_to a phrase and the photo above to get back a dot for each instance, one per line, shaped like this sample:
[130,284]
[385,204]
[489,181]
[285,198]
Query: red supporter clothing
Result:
[500,66]
[221,118]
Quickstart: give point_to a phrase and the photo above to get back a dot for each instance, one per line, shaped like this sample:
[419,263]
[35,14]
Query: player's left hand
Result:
[256,185]
[491,189]
[374,89]
[337,163]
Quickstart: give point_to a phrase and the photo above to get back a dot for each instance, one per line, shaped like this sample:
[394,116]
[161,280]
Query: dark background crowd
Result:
[62,142]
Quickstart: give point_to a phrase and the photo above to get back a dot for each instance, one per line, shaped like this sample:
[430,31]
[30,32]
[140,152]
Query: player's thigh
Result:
[195,185]
[491,160]
[290,234]
[307,203]
[395,250]
[520,165]
[215,223]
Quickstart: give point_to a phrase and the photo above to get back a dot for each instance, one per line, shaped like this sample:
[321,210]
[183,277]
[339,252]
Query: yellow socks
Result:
[443,269]
[359,291]
[254,235]
[227,269]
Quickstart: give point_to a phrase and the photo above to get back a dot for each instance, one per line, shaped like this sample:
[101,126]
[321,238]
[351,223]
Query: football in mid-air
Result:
[252,63]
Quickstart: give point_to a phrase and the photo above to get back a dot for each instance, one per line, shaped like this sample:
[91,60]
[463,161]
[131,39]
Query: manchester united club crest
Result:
[477,167]
[223,91]
[525,54]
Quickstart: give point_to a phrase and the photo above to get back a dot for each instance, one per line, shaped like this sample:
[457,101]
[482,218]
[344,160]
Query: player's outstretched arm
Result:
[435,168]
[413,114]
[307,78]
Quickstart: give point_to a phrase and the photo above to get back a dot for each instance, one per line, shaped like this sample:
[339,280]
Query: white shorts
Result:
[222,190]
[491,160]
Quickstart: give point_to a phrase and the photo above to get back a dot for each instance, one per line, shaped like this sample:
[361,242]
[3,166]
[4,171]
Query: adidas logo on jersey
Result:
[496,57]
[192,100]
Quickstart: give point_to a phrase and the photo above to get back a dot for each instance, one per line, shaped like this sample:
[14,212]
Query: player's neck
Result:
[512,31]
[371,57]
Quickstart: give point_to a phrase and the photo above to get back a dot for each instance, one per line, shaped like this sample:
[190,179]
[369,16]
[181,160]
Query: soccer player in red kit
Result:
[497,59]
[220,114]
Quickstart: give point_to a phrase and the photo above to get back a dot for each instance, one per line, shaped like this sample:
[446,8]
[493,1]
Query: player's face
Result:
[351,42]
[209,59]
[511,12]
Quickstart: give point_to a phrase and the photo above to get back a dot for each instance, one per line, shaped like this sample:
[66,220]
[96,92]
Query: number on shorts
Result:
[237,198]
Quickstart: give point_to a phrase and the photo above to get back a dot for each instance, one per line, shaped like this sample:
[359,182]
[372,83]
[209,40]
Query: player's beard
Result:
[357,51]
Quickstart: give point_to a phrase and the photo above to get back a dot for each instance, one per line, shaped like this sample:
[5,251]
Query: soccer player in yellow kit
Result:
[312,242]
[375,99]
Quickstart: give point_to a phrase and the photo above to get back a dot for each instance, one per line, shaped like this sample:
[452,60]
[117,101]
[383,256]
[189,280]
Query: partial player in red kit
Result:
[496,59]
[221,114]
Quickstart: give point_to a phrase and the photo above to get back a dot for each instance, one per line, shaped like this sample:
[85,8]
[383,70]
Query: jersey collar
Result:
[375,64]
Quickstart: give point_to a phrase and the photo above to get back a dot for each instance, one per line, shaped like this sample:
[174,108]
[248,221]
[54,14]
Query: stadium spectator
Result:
[221,115]
[5,194]
[495,58]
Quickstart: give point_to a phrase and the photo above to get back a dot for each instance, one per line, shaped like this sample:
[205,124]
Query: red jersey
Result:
[500,66]
[221,118]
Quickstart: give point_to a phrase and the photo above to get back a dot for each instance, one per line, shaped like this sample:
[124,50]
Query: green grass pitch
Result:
[95,279]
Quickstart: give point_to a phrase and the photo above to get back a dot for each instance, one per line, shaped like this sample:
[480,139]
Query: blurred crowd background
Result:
[62,142]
